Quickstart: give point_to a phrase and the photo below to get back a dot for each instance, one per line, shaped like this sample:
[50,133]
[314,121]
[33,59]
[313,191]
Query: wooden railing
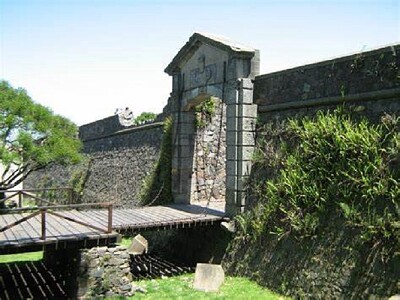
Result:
[44,210]
[31,193]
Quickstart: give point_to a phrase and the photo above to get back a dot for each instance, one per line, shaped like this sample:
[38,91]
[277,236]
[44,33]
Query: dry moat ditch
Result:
[111,271]
[40,280]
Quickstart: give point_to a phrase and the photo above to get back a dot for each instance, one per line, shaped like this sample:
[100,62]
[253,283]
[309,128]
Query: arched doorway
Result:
[213,162]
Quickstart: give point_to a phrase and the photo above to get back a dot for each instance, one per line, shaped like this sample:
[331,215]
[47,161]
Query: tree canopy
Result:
[145,117]
[31,137]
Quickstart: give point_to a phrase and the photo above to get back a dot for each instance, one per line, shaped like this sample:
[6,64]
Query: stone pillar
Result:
[105,272]
[182,163]
[96,273]
[240,139]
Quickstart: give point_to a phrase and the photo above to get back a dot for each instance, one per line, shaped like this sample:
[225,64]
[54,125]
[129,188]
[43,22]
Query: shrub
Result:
[204,112]
[145,117]
[339,167]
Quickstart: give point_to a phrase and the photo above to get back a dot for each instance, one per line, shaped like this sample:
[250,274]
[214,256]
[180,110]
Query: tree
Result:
[145,117]
[31,137]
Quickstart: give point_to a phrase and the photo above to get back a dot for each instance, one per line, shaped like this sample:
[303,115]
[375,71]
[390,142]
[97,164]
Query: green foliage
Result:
[27,256]
[79,177]
[156,187]
[180,287]
[31,136]
[339,167]
[204,112]
[145,117]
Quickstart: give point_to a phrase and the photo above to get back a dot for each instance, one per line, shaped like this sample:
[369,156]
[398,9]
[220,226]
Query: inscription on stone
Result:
[204,74]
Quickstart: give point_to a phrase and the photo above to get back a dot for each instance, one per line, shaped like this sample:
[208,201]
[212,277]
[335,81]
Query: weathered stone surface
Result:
[107,274]
[139,289]
[245,83]
[114,261]
[126,287]
[245,96]
[101,251]
[247,110]
[208,174]
[119,162]
[97,273]
[211,67]
[229,226]
[138,246]
[355,74]
[94,262]
[208,277]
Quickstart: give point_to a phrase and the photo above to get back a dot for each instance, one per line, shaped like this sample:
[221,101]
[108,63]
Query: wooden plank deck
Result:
[61,233]
[165,217]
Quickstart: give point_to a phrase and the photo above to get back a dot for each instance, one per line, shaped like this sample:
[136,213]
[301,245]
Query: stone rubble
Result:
[106,272]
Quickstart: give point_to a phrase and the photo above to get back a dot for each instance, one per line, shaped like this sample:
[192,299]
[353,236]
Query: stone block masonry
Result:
[93,273]
[105,272]
[210,66]
[119,158]
[369,79]
[208,174]
[120,161]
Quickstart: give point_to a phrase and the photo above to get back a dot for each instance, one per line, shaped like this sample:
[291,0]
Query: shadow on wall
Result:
[334,264]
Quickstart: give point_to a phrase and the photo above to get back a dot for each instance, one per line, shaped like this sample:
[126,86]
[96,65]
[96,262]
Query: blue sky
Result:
[84,59]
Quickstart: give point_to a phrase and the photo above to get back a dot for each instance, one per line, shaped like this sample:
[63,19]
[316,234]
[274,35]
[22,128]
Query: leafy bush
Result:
[339,168]
[32,137]
[145,117]
[204,112]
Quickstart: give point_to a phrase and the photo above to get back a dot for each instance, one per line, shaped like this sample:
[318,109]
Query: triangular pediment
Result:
[197,40]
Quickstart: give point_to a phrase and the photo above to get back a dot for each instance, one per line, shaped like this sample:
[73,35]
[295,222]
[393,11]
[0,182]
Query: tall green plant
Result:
[340,167]
[204,112]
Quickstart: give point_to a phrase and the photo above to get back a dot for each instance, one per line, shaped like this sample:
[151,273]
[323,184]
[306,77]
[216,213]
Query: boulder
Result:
[208,277]
[138,246]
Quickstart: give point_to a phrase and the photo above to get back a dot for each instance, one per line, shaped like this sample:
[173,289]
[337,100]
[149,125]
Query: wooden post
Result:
[19,199]
[70,195]
[43,214]
[110,212]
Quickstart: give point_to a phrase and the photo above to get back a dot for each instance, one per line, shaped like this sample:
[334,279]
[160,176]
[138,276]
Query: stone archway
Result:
[213,66]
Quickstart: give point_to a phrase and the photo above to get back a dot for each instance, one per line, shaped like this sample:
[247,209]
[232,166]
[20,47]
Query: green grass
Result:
[126,241]
[180,287]
[28,256]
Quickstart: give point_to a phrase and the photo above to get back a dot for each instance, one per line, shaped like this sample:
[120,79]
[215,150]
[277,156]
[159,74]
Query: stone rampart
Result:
[121,157]
[370,79]
[119,160]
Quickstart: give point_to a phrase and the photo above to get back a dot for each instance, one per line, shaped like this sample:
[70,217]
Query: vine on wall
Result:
[204,112]
[156,187]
